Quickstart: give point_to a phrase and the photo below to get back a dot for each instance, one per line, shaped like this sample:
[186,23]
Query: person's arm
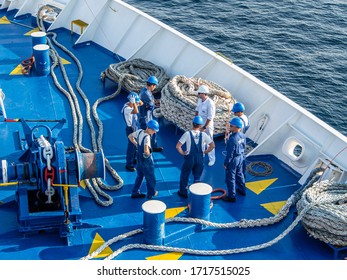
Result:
[210,147]
[230,151]
[179,149]
[206,125]
[135,108]
[132,139]
[180,143]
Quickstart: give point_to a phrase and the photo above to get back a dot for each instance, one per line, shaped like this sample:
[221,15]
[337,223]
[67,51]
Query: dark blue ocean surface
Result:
[297,47]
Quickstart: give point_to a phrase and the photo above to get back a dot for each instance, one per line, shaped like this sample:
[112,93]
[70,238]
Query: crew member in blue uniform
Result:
[195,141]
[233,162]
[130,111]
[145,165]
[146,111]
[238,110]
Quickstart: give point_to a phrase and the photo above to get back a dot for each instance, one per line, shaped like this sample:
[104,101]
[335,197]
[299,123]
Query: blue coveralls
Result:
[131,148]
[145,169]
[145,110]
[234,164]
[193,162]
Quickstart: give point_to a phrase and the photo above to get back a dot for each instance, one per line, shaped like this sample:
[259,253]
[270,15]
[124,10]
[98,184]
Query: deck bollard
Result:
[154,222]
[38,38]
[200,201]
[42,60]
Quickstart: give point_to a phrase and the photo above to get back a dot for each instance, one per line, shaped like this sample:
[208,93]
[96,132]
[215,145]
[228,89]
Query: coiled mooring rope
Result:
[326,221]
[137,72]
[254,168]
[179,99]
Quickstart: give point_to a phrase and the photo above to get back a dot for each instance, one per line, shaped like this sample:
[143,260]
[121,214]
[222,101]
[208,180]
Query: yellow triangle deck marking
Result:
[32,31]
[65,61]
[17,70]
[274,207]
[173,212]
[174,256]
[97,242]
[259,186]
[4,20]
[83,184]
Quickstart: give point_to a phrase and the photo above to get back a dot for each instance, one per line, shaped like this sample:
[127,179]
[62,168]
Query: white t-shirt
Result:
[139,134]
[128,116]
[206,110]
[205,139]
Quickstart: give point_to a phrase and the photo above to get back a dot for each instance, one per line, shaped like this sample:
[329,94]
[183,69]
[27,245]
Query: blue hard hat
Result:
[135,95]
[197,120]
[236,122]
[238,107]
[153,124]
[152,80]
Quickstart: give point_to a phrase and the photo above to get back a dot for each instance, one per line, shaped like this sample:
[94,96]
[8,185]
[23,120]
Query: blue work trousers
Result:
[131,149]
[145,170]
[192,164]
[234,176]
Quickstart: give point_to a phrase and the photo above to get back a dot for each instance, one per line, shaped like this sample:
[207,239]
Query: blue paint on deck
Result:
[33,97]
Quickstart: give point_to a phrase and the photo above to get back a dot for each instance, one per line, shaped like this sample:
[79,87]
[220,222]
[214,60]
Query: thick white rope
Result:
[179,99]
[137,71]
[98,184]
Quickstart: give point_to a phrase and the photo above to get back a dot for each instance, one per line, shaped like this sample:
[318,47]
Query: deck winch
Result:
[47,176]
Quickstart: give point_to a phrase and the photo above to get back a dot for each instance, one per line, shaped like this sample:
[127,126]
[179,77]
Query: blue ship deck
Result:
[36,98]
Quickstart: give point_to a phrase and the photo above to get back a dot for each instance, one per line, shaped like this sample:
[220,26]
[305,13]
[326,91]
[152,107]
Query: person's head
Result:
[203,91]
[133,96]
[235,124]
[152,127]
[152,83]
[238,109]
[197,122]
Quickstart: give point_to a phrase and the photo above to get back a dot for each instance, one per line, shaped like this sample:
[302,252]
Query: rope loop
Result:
[253,167]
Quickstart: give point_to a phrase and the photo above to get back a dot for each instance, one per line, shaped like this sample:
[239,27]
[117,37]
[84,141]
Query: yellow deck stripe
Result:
[274,207]
[259,186]
[17,70]
[166,257]
[32,31]
[173,212]
[97,242]
[4,20]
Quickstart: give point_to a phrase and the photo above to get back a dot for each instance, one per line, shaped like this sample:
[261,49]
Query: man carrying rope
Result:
[207,110]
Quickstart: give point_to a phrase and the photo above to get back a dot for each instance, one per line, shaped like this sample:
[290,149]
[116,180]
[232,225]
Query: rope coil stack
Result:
[327,219]
[179,100]
[137,72]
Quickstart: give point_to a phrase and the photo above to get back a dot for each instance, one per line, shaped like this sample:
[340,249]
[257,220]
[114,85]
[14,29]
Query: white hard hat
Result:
[203,89]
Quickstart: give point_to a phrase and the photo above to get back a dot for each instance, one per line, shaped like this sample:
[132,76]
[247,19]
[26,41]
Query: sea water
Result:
[298,47]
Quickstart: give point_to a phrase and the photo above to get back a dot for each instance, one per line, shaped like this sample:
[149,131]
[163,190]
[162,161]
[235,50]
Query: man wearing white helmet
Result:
[206,109]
